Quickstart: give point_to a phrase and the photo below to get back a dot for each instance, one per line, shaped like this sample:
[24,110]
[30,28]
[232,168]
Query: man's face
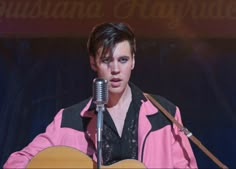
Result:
[116,68]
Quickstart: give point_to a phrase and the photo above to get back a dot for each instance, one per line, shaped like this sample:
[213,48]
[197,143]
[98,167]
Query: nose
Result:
[115,67]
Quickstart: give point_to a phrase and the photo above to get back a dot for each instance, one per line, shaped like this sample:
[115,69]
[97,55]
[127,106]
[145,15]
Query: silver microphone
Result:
[100,91]
[100,98]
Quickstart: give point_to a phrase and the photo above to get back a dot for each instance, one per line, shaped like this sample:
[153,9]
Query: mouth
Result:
[115,79]
[115,82]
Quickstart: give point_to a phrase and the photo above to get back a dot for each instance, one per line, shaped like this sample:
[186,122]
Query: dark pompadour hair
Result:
[107,35]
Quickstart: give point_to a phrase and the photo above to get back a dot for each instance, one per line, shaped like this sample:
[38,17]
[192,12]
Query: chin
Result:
[117,90]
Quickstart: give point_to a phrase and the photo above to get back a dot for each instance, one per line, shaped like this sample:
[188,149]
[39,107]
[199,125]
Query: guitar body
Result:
[67,157]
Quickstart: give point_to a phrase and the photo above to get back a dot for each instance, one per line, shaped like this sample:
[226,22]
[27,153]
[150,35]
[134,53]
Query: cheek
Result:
[128,71]
[103,71]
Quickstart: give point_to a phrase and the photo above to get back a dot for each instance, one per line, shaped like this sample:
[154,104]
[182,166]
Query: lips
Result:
[115,82]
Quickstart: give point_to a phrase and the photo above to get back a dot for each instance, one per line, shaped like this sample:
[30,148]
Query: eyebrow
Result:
[124,56]
[108,56]
[105,56]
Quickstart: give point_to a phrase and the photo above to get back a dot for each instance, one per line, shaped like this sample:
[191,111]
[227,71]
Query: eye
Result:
[123,59]
[106,60]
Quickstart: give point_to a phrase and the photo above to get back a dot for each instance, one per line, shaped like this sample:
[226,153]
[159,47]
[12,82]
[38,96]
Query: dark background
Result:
[38,76]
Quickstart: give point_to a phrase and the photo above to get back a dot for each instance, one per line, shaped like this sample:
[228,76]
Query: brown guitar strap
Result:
[186,131]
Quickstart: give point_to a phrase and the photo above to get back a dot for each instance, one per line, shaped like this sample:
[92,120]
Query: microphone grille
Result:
[100,91]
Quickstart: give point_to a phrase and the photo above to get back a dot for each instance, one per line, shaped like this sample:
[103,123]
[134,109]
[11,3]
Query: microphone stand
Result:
[186,132]
[100,109]
[100,94]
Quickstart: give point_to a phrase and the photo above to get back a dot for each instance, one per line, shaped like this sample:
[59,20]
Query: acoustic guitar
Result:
[67,157]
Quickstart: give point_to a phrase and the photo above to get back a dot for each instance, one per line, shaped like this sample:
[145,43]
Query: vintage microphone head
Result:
[100,91]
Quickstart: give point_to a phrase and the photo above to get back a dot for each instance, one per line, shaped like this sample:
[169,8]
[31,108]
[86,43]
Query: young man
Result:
[133,127]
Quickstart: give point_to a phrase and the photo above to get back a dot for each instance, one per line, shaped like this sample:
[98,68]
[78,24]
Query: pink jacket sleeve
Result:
[21,158]
[182,148]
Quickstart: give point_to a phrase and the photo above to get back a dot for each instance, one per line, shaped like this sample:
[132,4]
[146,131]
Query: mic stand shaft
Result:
[100,109]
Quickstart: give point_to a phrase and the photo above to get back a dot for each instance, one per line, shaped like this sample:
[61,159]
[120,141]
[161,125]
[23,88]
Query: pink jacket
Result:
[160,145]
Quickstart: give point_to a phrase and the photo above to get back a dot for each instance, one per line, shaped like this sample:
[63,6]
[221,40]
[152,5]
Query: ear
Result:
[133,63]
[93,63]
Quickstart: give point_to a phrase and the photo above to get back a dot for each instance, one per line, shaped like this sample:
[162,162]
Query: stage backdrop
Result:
[186,52]
[152,18]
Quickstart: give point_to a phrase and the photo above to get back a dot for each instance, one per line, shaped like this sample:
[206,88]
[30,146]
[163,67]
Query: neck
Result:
[118,99]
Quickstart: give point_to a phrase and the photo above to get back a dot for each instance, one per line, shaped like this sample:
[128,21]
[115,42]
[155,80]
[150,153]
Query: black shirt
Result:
[116,148]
